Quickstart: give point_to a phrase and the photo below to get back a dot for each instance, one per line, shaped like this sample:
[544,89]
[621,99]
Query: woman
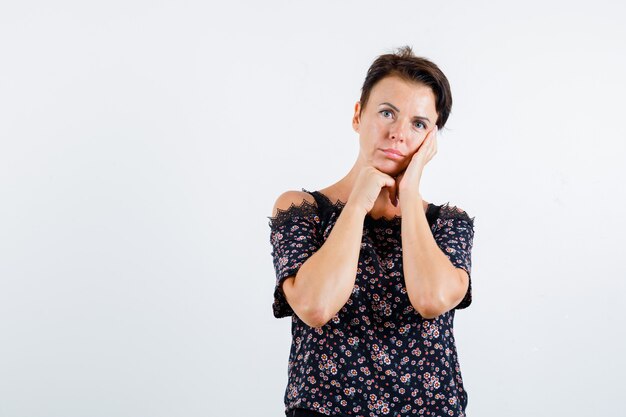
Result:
[371,273]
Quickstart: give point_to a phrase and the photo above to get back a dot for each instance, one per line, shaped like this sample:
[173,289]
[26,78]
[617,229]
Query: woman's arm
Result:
[433,283]
[325,281]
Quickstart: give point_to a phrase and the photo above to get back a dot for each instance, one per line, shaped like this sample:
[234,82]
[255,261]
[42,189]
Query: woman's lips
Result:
[392,153]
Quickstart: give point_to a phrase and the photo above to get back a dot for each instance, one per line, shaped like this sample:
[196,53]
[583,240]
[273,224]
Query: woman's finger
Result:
[390,184]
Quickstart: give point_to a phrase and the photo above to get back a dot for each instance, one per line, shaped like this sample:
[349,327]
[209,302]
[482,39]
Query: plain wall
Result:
[143,144]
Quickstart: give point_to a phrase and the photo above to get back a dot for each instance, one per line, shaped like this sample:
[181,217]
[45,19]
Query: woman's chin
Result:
[390,168]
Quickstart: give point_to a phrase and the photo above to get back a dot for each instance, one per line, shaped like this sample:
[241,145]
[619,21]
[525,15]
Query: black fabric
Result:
[302,412]
[377,355]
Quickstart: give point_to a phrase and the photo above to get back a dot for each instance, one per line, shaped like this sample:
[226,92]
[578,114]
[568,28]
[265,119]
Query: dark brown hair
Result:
[406,65]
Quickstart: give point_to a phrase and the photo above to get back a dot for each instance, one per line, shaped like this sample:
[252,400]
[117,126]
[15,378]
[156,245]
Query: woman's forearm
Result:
[324,283]
[430,279]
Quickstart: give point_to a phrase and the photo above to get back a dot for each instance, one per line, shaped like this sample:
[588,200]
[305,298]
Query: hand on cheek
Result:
[410,178]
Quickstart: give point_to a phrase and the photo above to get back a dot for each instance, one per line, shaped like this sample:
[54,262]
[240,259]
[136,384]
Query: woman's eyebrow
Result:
[398,110]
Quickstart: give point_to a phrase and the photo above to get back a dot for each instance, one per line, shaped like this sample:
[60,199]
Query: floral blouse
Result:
[377,356]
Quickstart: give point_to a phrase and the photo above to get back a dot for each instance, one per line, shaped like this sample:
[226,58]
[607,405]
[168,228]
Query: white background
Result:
[143,145]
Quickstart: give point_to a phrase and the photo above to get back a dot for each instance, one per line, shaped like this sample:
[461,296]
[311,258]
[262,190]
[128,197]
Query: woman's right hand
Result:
[368,186]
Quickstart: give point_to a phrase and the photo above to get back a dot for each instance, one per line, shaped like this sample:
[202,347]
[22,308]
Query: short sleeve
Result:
[454,234]
[294,235]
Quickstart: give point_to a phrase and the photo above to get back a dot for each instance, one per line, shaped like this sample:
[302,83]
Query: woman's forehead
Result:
[397,85]
[400,92]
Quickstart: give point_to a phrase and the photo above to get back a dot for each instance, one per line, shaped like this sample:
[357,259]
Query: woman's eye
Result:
[420,123]
[384,112]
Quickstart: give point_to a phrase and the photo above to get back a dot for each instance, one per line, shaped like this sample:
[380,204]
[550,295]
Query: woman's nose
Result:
[399,131]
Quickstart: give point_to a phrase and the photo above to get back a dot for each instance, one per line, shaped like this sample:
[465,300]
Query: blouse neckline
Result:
[338,205]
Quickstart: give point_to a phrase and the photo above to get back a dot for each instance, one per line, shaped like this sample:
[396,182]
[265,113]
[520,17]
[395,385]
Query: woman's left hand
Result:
[409,180]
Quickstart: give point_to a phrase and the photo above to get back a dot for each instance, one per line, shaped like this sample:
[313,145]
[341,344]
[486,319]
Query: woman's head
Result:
[405,65]
[403,98]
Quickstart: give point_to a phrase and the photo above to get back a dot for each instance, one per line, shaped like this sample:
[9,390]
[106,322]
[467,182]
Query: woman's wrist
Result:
[354,209]
[410,195]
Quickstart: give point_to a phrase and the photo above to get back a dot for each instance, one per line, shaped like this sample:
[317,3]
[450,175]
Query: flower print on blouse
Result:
[377,356]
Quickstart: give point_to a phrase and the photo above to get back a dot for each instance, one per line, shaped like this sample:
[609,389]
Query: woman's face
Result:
[398,115]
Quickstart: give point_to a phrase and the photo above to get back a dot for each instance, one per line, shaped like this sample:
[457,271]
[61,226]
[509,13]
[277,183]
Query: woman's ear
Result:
[356,119]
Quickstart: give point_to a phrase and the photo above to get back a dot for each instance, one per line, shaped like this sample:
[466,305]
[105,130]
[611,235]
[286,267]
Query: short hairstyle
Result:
[406,65]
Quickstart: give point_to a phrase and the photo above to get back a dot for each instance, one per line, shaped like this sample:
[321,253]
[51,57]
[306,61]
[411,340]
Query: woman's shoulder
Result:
[448,211]
[293,203]
[292,198]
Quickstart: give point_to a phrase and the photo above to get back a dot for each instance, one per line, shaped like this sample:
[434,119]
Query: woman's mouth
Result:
[392,154]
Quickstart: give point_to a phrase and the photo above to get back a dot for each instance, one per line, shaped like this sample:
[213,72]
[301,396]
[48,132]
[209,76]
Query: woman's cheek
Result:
[422,139]
[419,144]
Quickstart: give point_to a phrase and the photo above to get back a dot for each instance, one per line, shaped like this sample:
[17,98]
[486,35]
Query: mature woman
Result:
[371,273]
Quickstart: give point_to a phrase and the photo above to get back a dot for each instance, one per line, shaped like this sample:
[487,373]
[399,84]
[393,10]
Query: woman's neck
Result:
[342,189]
